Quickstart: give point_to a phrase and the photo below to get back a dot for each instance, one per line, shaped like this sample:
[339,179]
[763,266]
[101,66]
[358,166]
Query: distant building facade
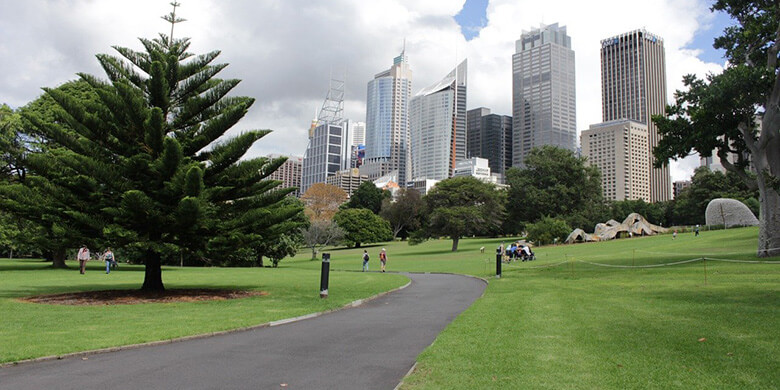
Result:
[679,186]
[438,126]
[633,86]
[619,149]
[543,92]
[289,173]
[387,122]
[324,155]
[348,180]
[490,137]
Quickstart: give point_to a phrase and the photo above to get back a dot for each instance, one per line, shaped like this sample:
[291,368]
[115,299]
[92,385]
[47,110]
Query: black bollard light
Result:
[498,263]
[324,275]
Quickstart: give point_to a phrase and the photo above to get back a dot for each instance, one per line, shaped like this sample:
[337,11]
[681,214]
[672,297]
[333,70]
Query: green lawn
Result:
[30,330]
[580,326]
[559,322]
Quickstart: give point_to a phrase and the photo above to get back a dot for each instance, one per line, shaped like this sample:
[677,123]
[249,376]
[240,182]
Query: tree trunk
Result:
[153,275]
[768,221]
[58,258]
[455,243]
[357,245]
[259,260]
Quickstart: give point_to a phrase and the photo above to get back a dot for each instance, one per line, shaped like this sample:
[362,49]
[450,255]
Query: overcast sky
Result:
[285,51]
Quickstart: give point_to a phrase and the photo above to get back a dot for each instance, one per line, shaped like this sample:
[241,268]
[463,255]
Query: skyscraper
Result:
[323,155]
[619,149]
[490,137]
[543,92]
[633,86]
[387,122]
[289,173]
[437,122]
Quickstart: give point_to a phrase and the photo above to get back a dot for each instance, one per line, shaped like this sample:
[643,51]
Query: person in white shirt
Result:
[83,257]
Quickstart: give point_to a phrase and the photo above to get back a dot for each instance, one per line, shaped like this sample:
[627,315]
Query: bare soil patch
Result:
[130,297]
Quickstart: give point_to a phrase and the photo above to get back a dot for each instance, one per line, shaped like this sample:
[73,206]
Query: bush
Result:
[547,230]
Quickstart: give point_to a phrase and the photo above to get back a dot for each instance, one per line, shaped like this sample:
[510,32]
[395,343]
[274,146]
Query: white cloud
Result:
[286,50]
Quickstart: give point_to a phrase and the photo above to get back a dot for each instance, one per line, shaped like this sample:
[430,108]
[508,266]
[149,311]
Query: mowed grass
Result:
[559,323]
[29,330]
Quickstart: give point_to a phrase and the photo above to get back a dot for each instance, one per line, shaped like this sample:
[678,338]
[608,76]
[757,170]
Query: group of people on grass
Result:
[382,259]
[516,250]
[83,256]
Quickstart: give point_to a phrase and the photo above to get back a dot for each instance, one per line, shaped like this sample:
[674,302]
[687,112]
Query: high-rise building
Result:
[437,123]
[348,180]
[619,150]
[490,137]
[474,131]
[289,173]
[323,155]
[353,137]
[387,122]
[543,92]
[633,86]
[679,186]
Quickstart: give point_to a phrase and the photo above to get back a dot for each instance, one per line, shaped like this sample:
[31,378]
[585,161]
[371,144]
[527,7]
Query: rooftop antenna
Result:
[172,19]
[332,110]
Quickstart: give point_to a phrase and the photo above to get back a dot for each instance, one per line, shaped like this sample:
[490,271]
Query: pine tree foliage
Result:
[153,150]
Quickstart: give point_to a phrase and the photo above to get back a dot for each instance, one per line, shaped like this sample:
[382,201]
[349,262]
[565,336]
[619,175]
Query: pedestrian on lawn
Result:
[365,260]
[108,256]
[383,259]
[83,257]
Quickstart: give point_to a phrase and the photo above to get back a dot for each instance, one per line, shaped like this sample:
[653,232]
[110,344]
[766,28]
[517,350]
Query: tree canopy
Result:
[736,114]
[558,184]
[148,161]
[362,226]
[367,196]
[322,201]
[462,206]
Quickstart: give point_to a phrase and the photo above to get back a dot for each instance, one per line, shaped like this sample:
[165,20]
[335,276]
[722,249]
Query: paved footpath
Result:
[368,347]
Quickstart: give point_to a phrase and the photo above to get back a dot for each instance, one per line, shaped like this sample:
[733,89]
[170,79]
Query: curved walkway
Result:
[368,347]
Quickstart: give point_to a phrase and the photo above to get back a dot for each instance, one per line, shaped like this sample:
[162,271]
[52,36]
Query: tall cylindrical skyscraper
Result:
[633,86]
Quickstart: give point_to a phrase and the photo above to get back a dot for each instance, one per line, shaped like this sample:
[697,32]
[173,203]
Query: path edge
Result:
[269,324]
[414,366]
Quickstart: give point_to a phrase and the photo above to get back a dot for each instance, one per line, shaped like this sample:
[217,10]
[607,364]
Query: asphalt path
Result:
[371,346]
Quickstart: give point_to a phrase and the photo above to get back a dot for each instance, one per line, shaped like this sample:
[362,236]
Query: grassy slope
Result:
[571,325]
[30,330]
[580,326]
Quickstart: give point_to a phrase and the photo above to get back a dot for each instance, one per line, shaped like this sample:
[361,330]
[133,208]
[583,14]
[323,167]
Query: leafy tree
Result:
[555,183]
[548,230]
[367,196]
[463,206]
[319,234]
[322,201]
[736,113]
[403,213]
[52,207]
[149,149]
[691,204]
[362,226]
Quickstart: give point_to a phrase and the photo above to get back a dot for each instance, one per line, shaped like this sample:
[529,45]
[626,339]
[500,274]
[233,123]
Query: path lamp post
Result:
[324,275]
[498,262]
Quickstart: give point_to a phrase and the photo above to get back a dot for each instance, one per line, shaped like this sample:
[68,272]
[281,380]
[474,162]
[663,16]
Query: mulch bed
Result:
[130,297]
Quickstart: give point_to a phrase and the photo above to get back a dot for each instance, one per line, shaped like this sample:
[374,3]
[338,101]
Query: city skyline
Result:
[286,52]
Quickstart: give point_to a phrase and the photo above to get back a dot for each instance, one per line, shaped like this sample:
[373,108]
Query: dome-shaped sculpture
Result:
[729,212]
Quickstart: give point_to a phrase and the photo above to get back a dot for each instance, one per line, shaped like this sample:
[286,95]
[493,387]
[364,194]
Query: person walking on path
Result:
[674,235]
[83,257]
[696,230]
[383,259]
[108,256]
[365,260]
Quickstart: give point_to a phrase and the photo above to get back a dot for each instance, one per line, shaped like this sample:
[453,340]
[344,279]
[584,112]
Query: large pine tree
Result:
[152,144]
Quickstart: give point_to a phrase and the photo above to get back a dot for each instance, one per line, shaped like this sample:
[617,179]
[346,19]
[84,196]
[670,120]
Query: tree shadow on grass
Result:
[130,288]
